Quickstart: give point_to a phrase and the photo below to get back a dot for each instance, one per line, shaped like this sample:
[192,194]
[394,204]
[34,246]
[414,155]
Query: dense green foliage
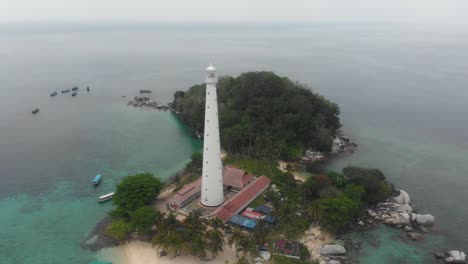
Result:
[190,236]
[373,181]
[264,115]
[134,192]
[118,230]
[336,213]
[143,219]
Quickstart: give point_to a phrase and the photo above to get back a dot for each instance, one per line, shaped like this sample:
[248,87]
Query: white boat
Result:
[105,197]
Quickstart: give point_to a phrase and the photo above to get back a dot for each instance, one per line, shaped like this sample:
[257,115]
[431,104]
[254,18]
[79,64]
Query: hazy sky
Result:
[452,11]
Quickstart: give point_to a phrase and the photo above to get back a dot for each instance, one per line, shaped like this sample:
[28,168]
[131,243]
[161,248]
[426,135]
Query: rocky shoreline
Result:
[144,101]
[341,145]
[398,212]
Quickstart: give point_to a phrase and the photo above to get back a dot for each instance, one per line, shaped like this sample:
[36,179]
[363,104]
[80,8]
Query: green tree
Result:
[198,246]
[118,230]
[134,192]
[260,233]
[246,246]
[336,213]
[169,235]
[264,115]
[373,180]
[215,241]
[143,219]
[355,192]
[235,238]
[313,210]
[217,223]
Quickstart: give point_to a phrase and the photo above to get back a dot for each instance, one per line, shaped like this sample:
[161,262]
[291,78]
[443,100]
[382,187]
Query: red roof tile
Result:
[242,198]
[187,191]
[235,177]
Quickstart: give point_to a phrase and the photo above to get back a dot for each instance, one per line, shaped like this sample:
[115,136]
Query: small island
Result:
[274,128]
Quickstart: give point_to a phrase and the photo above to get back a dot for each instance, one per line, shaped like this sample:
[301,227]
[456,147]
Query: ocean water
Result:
[401,89]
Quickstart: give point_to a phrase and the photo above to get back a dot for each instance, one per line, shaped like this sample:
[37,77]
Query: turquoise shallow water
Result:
[387,245]
[45,222]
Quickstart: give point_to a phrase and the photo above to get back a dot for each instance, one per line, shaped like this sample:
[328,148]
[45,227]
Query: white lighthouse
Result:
[212,177]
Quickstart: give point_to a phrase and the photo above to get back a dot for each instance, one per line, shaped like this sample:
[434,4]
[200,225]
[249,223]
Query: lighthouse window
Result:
[211,75]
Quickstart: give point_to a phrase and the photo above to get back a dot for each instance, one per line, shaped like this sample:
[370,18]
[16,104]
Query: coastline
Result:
[137,252]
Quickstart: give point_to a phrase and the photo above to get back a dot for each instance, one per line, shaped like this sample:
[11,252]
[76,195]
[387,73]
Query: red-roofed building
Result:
[185,195]
[242,199]
[236,178]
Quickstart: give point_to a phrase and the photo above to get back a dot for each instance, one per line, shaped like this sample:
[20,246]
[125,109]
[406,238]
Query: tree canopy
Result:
[134,192]
[262,114]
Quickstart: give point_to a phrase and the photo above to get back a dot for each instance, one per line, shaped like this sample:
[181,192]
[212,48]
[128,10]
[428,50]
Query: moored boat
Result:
[105,197]
[74,94]
[97,179]
[54,93]
[145,91]
[35,111]
[65,90]
[75,88]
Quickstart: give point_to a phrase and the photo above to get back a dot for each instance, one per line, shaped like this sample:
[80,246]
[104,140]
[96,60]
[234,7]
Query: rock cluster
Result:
[146,101]
[452,256]
[332,250]
[341,144]
[398,212]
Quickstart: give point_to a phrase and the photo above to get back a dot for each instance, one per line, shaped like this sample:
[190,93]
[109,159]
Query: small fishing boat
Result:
[105,197]
[87,89]
[35,111]
[66,91]
[74,94]
[97,179]
[145,91]
[53,94]
[75,88]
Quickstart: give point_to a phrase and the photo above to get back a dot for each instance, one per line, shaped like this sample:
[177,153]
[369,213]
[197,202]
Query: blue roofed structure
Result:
[263,209]
[270,219]
[243,221]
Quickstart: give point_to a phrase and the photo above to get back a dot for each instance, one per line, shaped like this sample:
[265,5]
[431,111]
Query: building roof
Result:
[235,177]
[211,68]
[270,219]
[263,209]
[187,191]
[252,214]
[242,198]
[243,221]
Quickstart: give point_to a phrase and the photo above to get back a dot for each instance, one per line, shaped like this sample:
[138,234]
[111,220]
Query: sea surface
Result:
[402,90]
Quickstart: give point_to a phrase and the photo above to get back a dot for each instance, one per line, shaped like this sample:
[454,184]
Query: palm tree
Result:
[215,241]
[246,245]
[217,223]
[158,220]
[169,235]
[198,246]
[260,233]
[314,210]
[194,228]
[235,238]
[170,224]
[173,243]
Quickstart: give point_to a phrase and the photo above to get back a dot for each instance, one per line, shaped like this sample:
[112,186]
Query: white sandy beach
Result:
[138,252]
[315,238]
